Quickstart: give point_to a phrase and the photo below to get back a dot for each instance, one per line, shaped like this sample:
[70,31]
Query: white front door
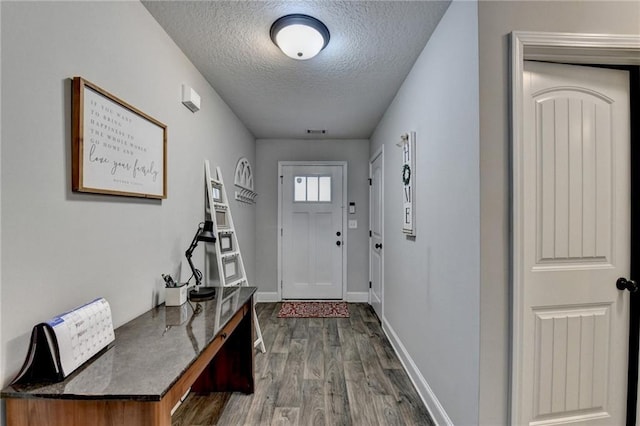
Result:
[376,221]
[571,321]
[312,236]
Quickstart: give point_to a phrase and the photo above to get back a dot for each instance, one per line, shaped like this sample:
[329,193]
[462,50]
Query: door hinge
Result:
[370,233]
[370,182]
[281,232]
[369,284]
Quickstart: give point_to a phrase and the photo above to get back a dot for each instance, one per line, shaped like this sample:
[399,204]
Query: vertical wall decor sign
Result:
[408,145]
[116,148]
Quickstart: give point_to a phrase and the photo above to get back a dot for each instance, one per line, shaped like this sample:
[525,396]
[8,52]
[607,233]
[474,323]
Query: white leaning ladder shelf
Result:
[228,256]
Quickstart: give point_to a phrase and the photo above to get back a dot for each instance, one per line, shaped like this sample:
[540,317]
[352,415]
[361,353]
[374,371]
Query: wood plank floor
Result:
[331,371]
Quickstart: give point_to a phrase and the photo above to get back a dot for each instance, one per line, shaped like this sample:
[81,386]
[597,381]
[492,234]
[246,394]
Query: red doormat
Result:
[314,310]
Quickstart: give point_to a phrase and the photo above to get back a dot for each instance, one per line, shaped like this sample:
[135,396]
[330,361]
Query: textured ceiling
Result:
[345,89]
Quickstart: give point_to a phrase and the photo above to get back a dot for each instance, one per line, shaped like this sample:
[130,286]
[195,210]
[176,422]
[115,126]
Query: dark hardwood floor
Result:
[332,371]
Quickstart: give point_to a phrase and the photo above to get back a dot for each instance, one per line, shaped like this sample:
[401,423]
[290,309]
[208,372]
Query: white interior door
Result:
[376,221]
[313,237]
[571,327]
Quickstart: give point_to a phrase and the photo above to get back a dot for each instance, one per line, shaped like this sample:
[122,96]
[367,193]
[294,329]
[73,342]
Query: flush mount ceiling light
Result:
[299,36]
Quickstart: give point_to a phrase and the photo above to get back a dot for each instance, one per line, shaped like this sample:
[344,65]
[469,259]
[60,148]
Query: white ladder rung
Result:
[230,254]
[235,283]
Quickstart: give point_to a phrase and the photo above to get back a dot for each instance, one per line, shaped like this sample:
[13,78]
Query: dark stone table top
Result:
[149,353]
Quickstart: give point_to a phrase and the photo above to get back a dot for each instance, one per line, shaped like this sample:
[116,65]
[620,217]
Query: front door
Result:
[376,214]
[312,231]
[573,338]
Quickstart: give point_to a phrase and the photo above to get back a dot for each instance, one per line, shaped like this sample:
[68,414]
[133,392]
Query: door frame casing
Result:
[345,245]
[594,49]
[379,153]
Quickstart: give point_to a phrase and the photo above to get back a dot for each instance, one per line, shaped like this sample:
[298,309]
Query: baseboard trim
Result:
[352,296]
[358,296]
[438,414]
[267,296]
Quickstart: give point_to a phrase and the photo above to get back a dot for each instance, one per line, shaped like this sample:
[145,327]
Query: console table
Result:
[155,359]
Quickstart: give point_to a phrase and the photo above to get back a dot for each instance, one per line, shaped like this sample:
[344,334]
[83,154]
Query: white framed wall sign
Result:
[408,145]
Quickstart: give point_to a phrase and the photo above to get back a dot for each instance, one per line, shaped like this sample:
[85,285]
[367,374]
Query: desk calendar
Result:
[62,344]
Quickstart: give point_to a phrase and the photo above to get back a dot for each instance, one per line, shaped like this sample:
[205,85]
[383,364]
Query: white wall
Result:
[496,20]
[1,340]
[432,284]
[59,248]
[268,153]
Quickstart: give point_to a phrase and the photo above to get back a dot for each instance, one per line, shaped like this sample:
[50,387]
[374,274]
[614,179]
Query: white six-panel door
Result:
[575,244]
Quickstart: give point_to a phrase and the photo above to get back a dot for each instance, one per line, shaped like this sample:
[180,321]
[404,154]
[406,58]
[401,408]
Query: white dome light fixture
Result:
[299,36]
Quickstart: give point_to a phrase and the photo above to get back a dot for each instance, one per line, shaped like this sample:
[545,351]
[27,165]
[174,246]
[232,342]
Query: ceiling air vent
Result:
[316,131]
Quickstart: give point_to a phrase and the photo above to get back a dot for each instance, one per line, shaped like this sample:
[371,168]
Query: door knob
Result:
[338,233]
[624,284]
[378,245]
[338,243]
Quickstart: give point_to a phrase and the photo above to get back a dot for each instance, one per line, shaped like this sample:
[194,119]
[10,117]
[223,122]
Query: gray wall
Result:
[60,249]
[268,153]
[496,21]
[432,284]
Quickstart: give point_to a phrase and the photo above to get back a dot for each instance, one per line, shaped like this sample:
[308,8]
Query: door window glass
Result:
[312,189]
[325,189]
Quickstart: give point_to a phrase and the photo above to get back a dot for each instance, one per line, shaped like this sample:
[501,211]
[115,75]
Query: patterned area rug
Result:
[314,310]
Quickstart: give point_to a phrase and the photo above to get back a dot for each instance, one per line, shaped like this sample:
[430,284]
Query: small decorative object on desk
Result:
[62,344]
[169,281]
[175,294]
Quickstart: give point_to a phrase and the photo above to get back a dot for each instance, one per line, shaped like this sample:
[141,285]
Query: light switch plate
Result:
[353,224]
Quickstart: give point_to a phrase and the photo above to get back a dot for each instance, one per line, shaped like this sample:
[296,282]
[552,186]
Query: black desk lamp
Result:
[204,233]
